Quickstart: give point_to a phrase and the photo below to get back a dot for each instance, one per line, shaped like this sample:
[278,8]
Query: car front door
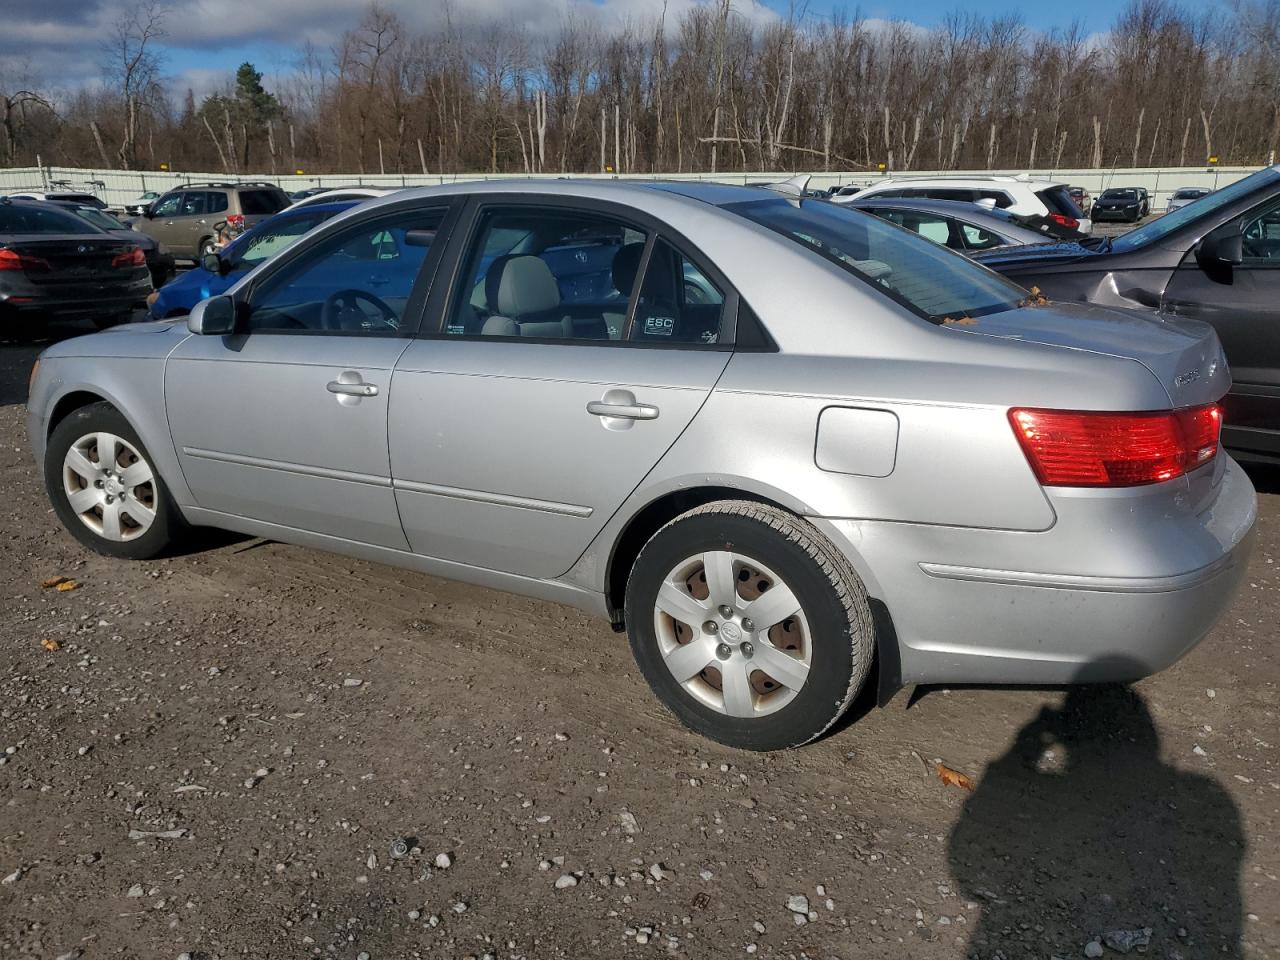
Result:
[1245,315]
[285,422]
[161,224]
[546,395]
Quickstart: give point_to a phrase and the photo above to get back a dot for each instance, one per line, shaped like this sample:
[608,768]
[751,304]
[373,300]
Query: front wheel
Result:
[749,625]
[105,488]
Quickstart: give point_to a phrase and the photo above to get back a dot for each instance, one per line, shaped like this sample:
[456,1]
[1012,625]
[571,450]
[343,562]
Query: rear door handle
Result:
[359,389]
[623,411]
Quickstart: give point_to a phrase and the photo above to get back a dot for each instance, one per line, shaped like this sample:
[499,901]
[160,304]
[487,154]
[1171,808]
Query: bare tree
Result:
[132,61]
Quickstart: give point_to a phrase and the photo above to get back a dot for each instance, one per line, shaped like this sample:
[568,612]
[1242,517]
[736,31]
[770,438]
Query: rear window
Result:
[1059,200]
[927,279]
[259,202]
[19,220]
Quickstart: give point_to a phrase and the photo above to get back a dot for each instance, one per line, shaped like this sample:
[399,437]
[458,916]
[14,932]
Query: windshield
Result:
[269,239]
[27,220]
[1206,206]
[928,279]
[1119,195]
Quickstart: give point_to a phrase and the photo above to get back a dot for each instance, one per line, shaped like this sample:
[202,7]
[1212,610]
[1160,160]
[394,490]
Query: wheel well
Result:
[69,405]
[649,521]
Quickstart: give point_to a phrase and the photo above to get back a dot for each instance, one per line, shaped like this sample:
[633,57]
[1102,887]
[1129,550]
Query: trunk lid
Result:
[72,261]
[1184,355]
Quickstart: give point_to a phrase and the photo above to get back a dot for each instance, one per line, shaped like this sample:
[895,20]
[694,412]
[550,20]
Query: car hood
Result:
[1184,355]
[137,340]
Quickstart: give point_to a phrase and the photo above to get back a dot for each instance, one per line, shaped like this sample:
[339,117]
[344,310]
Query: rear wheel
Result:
[105,488]
[205,247]
[749,625]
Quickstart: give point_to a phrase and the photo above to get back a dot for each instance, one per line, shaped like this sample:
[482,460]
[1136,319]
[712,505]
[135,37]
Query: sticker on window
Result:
[659,326]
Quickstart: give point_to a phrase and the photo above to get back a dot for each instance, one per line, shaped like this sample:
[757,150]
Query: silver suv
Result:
[185,220]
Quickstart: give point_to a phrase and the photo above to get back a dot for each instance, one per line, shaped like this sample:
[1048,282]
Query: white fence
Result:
[118,187]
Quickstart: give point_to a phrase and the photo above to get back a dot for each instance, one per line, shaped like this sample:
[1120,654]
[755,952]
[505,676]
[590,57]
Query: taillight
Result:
[12,260]
[1084,448]
[236,221]
[1070,223]
[133,257]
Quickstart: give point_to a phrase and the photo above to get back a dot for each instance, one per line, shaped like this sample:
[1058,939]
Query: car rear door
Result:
[286,422]
[530,408]
[1245,315]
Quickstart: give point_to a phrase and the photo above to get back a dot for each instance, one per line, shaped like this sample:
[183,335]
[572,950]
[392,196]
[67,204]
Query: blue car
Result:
[265,240]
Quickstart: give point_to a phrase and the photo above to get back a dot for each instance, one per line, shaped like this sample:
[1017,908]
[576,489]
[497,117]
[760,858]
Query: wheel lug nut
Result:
[747,649]
[710,626]
[747,624]
[726,611]
[724,651]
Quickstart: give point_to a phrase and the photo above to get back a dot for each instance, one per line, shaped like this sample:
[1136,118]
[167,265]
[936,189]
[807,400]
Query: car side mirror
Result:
[148,213]
[1220,250]
[987,203]
[214,264]
[215,317]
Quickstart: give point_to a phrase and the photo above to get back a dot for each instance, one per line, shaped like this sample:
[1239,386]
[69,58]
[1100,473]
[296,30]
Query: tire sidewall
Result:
[832,663]
[91,419]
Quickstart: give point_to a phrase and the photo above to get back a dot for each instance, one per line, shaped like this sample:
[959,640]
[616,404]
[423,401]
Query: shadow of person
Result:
[1080,833]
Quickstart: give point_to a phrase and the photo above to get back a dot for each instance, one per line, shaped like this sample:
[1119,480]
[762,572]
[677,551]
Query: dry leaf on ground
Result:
[53,582]
[954,778]
[51,645]
[66,585]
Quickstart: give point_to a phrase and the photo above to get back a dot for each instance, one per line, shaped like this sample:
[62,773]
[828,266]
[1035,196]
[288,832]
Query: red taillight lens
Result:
[12,260]
[1083,448]
[133,257]
[1070,223]
[235,221]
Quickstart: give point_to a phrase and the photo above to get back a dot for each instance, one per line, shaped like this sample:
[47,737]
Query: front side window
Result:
[934,283]
[1157,230]
[548,273]
[168,205]
[1262,239]
[357,281]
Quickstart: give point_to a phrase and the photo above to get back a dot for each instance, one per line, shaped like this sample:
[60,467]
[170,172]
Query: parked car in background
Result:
[1216,260]
[185,220]
[922,468]
[63,196]
[1124,204]
[1180,198]
[337,194]
[960,226]
[54,264]
[307,192]
[139,204]
[1025,196]
[217,272]
[1080,196]
[159,260]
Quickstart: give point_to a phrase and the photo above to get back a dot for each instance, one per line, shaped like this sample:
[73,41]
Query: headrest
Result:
[626,263]
[518,285]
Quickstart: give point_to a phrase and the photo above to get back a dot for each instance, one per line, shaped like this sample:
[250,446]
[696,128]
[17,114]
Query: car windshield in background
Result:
[1119,195]
[1191,194]
[31,220]
[1157,230]
[922,276]
[98,218]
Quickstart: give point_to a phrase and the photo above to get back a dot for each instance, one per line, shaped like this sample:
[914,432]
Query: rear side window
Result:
[1058,200]
[19,220]
[678,303]
[259,202]
[217,202]
[949,193]
[194,203]
[934,283]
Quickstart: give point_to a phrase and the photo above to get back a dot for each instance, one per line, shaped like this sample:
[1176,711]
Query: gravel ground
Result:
[223,749]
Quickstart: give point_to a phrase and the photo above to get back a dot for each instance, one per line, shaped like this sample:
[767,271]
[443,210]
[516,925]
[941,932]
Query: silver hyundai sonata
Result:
[780,443]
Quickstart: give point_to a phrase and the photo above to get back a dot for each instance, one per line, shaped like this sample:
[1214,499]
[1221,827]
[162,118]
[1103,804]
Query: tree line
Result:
[708,91]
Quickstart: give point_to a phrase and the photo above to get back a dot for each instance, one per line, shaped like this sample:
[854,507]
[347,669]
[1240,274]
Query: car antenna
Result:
[793,188]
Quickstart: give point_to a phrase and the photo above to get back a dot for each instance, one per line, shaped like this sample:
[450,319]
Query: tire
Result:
[137,537]
[206,246]
[828,643]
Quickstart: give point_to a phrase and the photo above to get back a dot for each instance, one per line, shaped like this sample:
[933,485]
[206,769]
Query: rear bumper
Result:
[1119,603]
[107,303]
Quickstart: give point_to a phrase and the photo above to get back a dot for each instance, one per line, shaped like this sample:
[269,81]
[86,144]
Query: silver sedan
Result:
[778,442]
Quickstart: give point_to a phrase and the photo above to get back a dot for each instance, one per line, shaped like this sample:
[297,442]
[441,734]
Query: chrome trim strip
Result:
[497,499]
[286,467]
[1068,581]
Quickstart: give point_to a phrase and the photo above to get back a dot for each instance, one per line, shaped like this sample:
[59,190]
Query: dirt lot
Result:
[216,760]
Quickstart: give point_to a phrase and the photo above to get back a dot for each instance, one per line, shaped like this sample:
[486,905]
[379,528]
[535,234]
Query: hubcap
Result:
[109,486]
[732,633]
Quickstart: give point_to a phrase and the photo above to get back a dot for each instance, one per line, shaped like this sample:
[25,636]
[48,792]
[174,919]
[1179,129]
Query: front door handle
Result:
[623,411]
[352,389]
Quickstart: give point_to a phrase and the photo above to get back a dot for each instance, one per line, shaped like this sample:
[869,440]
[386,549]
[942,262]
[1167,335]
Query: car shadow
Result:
[1081,832]
[17,356]
[1265,476]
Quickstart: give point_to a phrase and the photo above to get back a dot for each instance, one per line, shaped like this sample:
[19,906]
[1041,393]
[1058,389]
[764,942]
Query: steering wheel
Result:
[342,304]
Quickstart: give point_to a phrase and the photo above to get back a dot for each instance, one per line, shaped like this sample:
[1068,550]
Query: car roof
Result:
[1035,183]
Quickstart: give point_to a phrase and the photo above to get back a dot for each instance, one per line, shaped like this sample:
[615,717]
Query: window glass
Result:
[193,204]
[99,219]
[216,202]
[1157,230]
[1059,200]
[1002,199]
[357,282]
[17,219]
[260,202]
[269,240]
[168,205]
[548,273]
[975,238]
[678,303]
[935,283]
[1262,239]
[949,193]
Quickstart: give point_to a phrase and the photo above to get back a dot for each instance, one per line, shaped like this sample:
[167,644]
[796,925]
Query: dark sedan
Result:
[53,264]
[1217,260]
[159,260]
[1121,203]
